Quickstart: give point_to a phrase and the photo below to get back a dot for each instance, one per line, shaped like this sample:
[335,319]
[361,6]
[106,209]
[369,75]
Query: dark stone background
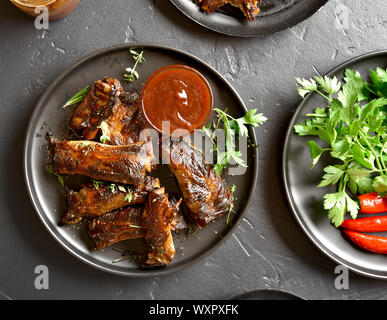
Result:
[268,250]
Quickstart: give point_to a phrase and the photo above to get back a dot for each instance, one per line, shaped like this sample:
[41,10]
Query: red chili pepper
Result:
[372,203]
[369,224]
[368,242]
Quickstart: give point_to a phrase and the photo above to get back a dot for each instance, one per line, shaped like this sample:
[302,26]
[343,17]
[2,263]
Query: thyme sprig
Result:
[131,73]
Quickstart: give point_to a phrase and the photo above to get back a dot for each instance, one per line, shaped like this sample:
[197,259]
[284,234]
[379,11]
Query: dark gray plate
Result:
[47,195]
[306,199]
[275,15]
[267,294]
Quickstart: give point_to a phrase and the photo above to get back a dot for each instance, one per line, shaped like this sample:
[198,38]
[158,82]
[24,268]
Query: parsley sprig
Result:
[231,127]
[353,130]
[131,73]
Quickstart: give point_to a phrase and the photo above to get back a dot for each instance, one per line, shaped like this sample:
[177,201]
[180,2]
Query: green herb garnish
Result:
[125,255]
[112,187]
[96,184]
[129,197]
[121,188]
[59,177]
[231,127]
[104,139]
[134,226]
[77,98]
[231,209]
[131,73]
[352,129]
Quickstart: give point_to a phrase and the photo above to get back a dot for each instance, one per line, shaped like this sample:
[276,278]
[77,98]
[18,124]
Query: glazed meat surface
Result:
[126,164]
[116,226]
[205,193]
[125,124]
[248,7]
[157,219]
[96,107]
[133,129]
[92,202]
[123,224]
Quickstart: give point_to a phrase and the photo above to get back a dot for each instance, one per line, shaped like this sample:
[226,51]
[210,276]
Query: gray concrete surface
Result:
[268,250]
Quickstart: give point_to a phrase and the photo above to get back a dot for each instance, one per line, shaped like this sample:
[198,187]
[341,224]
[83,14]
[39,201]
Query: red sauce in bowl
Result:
[178,94]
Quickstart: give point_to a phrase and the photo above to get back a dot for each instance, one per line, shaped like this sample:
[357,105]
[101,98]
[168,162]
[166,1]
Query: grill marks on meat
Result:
[135,129]
[205,193]
[91,202]
[157,220]
[96,107]
[123,224]
[122,164]
[248,7]
[117,226]
[125,124]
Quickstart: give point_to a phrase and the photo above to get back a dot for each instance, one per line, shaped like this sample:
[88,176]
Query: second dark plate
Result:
[275,15]
[301,184]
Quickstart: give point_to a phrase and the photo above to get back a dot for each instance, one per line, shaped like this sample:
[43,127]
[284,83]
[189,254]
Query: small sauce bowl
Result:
[178,95]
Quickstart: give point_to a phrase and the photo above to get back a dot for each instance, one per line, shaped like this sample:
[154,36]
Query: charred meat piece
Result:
[248,7]
[122,164]
[92,202]
[96,107]
[126,124]
[123,224]
[133,129]
[157,218]
[117,226]
[205,193]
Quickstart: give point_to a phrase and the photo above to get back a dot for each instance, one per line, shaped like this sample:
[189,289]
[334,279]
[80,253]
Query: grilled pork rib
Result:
[157,220]
[96,107]
[205,193]
[116,226]
[125,124]
[137,125]
[124,224]
[122,164]
[248,7]
[92,202]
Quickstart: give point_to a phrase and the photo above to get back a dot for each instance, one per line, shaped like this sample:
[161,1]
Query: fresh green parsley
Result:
[352,130]
[231,127]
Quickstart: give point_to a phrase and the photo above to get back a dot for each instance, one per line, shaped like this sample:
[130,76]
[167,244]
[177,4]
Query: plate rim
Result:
[30,185]
[286,185]
[296,20]
[277,291]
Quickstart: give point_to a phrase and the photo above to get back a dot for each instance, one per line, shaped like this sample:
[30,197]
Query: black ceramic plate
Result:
[306,199]
[267,294]
[275,15]
[48,196]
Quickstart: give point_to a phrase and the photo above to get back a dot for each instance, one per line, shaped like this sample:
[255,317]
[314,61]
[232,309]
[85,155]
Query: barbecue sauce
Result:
[178,94]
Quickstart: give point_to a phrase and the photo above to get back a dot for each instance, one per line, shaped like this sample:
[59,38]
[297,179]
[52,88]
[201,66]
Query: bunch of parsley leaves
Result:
[353,130]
